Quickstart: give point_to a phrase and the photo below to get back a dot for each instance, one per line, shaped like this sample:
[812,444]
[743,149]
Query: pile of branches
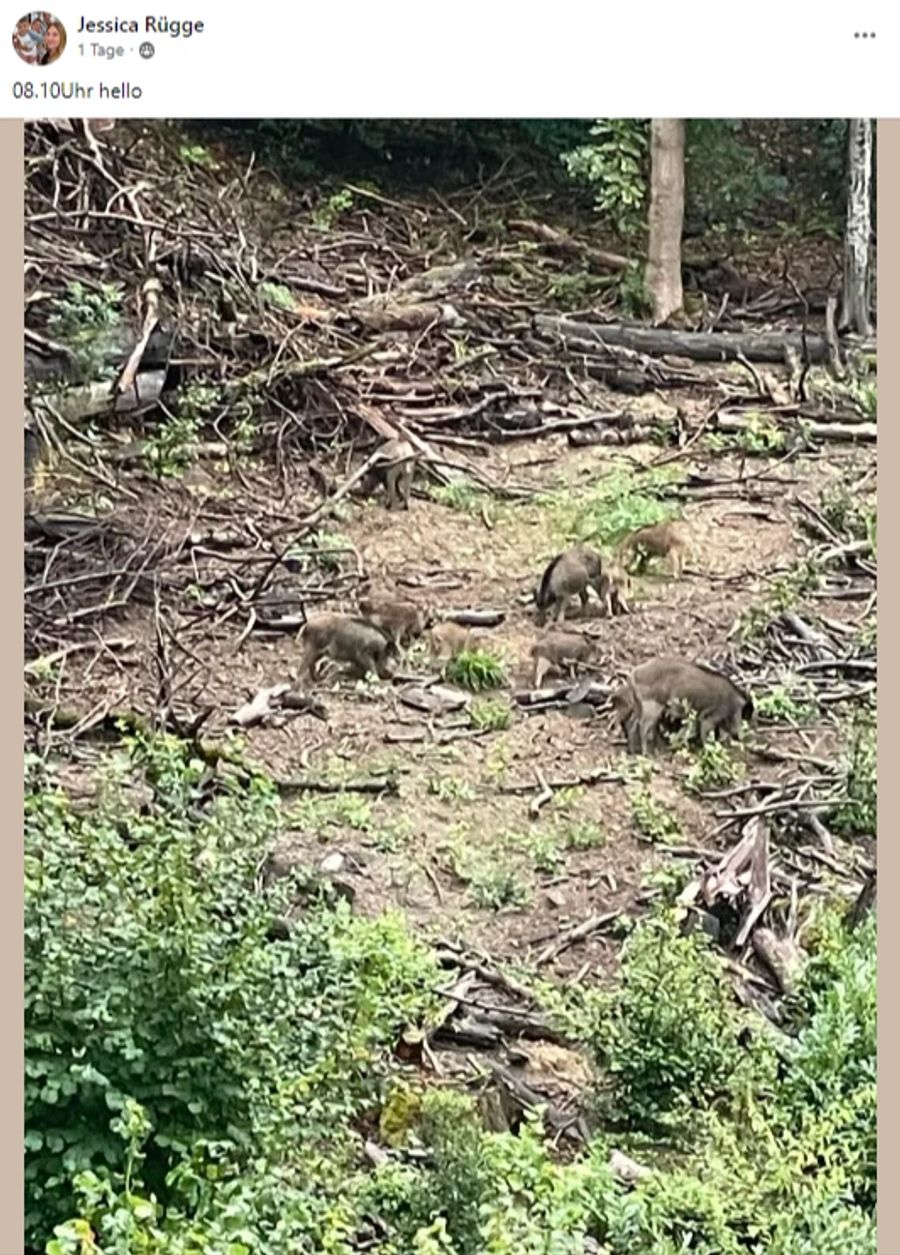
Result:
[414,315]
[315,332]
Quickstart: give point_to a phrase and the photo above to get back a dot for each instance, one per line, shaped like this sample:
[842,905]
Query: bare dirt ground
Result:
[137,616]
[457,848]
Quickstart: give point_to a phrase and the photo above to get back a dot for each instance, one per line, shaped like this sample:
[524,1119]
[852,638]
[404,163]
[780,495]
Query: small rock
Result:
[627,1169]
[376,1154]
[332,863]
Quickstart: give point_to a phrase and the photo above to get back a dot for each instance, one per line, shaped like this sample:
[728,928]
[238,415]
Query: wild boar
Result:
[446,640]
[659,540]
[561,652]
[402,621]
[569,575]
[615,587]
[654,688]
[397,460]
[346,639]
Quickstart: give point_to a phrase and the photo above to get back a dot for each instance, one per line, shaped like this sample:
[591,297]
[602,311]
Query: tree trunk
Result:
[857,275]
[702,346]
[663,276]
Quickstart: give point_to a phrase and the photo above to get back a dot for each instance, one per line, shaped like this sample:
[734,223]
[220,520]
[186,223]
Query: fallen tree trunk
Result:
[820,431]
[702,346]
[566,246]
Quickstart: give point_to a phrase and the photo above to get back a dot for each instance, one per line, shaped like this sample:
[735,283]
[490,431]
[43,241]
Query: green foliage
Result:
[87,320]
[494,885]
[490,714]
[583,836]
[566,798]
[661,1061]
[846,513]
[615,164]
[712,767]
[786,592]
[611,507]
[450,789]
[199,400]
[543,846]
[768,1154]
[857,814]
[197,155]
[554,135]
[476,670]
[149,979]
[331,209]
[579,289]
[761,436]
[321,551]
[738,172]
[653,818]
[726,177]
[492,881]
[420,150]
[461,495]
[829,1093]
[782,705]
[857,392]
[276,295]
[633,298]
[172,450]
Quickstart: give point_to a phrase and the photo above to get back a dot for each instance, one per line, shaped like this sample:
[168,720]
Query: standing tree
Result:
[663,275]
[855,302]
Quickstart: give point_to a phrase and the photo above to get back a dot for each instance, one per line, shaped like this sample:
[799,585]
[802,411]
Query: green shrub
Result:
[195,1089]
[660,1057]
[476,670]
[857,813]
[149,978]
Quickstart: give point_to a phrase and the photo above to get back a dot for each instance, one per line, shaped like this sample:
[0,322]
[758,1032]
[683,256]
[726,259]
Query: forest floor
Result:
[459,844]
[457,848]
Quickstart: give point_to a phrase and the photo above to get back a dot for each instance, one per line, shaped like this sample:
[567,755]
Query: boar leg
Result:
[310,658]
[390,484]
[650,714]
[541,667]
[706,725]
[630,726]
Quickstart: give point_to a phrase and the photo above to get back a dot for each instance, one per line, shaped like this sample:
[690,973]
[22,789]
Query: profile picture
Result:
[39,38]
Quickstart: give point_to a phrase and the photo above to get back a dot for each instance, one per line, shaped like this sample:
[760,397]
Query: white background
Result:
[481,59]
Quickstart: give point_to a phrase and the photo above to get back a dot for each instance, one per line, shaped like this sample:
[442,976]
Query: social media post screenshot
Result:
[448,630]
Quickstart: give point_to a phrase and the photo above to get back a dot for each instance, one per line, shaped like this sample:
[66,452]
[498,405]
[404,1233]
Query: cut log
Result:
[700,346]
[474,618]
[566,246]
[820,431]
[781,956]
[572,1127]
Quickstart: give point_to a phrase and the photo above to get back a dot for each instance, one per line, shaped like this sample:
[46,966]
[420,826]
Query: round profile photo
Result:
[39,38]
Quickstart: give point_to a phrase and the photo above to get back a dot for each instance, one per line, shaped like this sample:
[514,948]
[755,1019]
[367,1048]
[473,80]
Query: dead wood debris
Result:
[349,343]
[320,345]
